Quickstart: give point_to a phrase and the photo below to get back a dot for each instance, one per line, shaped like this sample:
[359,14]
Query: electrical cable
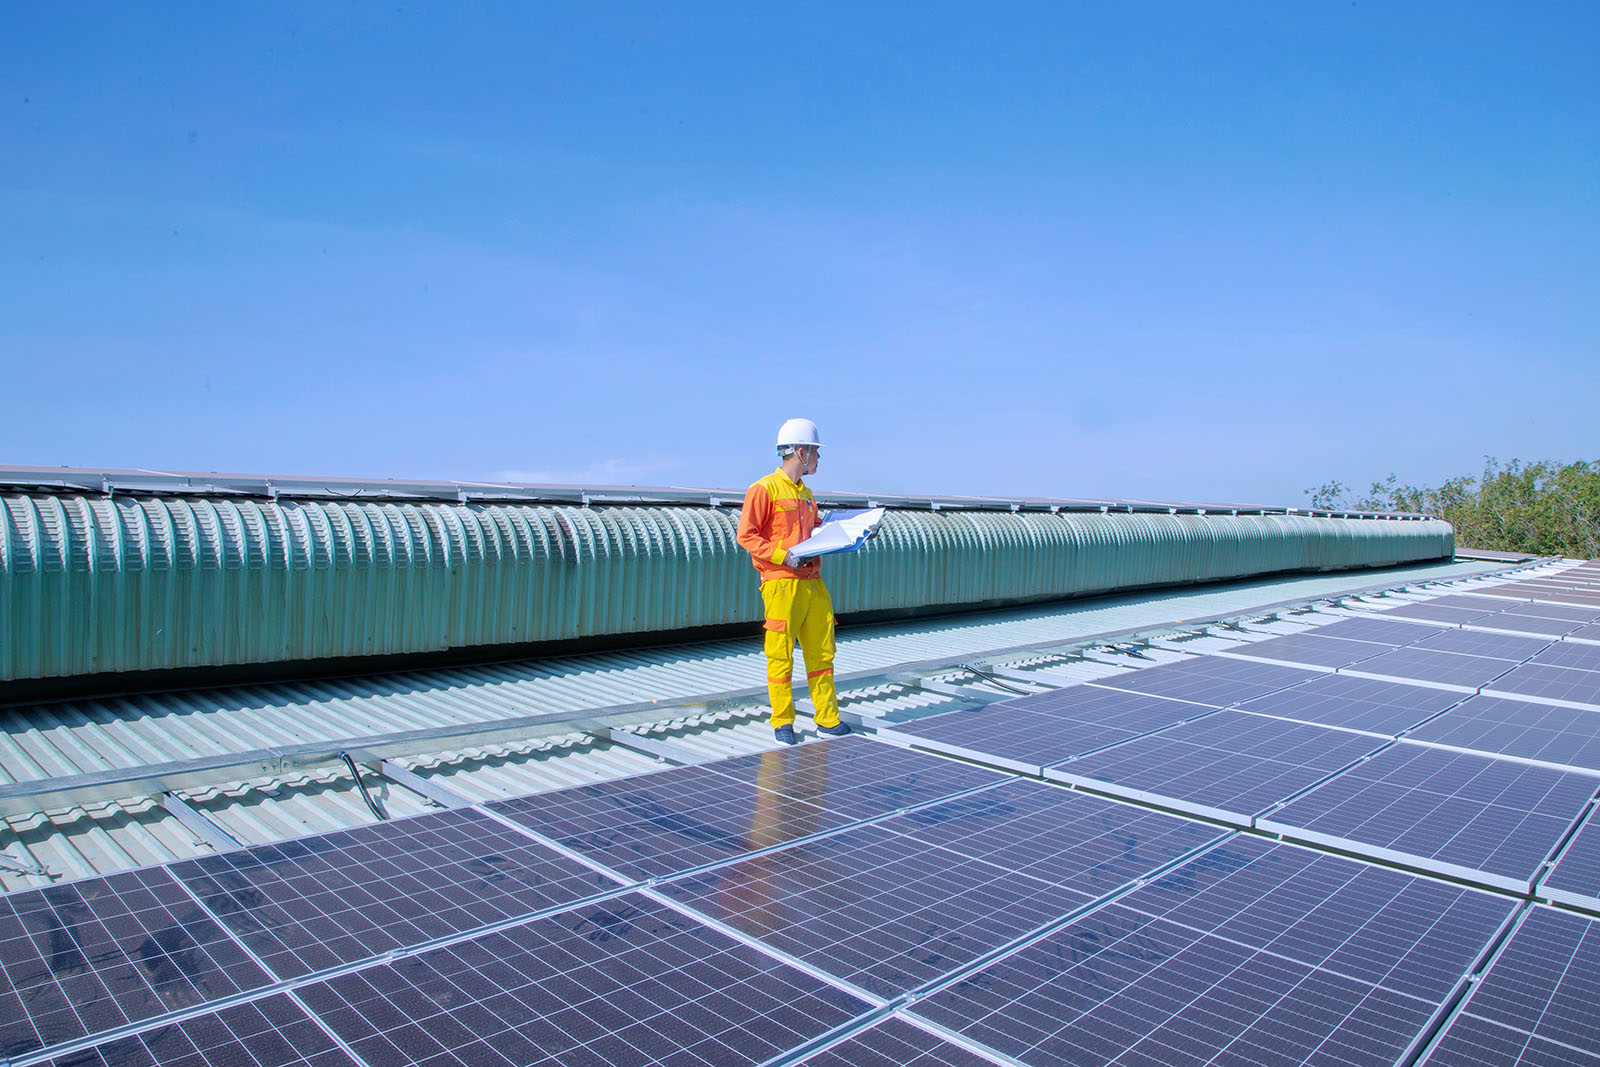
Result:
[372,805]
[992,680]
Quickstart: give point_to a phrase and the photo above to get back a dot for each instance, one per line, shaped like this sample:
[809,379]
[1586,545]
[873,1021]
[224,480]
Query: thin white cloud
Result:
[604,472]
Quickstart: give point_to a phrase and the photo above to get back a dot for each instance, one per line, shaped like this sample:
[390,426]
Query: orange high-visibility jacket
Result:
[777,515]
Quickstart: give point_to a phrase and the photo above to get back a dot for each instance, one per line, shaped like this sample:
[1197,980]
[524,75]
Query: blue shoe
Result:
[785,734]
[835,731]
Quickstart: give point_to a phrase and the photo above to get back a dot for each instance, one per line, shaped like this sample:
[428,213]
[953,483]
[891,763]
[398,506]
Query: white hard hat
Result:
[799,432]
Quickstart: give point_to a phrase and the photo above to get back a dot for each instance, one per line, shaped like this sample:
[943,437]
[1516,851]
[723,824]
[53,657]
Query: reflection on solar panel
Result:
[1060,836]
[1029,732]
[1435,612]
[306,905]
[1229,766]
[896,1043]
[1383,631]
[1478,643]
[1568,654]
[1355,703]
[1310,650]
[670,821]
[88,956]
[1209,680]
[271,1032]
[625,982]
[1540,682]
[1491,821]
[1575,879]
[1252,953]
[1448,670]
[858,777]
[1566,736]
[877,909]
[1535,1005]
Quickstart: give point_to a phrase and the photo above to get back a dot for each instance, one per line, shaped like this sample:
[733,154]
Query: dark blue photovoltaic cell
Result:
[82,957]
[1274,954]
[1234,763]
[1355,703]
[1569,736]
[1474,603]
[1536,1003]
[876,908]
[1569,654]
[271,1032]
[317,902]
[1576,875]
[1586,633]
[1062,836]
[1473,812]
[1440,668]
[627,982]
[1048,727]
[1575,614]
[1308,648]
[1549,683]
[1209,680]
[896,1043]
[1481,643]
[1381,630]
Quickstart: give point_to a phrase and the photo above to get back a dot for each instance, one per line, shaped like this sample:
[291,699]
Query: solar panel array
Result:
[855,902]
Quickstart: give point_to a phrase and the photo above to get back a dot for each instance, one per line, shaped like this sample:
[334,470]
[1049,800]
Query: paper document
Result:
[845,531]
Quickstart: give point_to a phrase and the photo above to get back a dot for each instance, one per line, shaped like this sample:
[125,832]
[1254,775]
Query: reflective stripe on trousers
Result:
[799,609]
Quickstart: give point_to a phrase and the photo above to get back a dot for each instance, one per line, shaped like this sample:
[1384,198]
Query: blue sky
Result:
[1180,251]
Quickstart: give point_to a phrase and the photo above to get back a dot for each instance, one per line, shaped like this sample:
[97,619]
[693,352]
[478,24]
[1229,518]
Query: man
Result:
[778,514]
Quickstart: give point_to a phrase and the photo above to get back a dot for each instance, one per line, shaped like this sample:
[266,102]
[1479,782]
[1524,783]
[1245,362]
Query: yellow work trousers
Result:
[799,609]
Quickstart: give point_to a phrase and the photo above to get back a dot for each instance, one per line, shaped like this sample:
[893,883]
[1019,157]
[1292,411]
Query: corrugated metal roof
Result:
[75,737]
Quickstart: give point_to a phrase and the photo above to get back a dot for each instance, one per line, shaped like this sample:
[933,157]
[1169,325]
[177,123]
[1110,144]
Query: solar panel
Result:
[1575,878]
[875,908]
[896,1043]
[1353,703]
[1491,821]
[1517,623]
[1478,643]
[1229,766]
[1543,683]
[1381,630]
[1209,680]
[271,1032]
[1308,649]
[625,982]
[1535,1004]
[1567,654]
[88,956]
[1254,953]
[661,823]
[859,778]
[1471,603]
[1551,734]
[1029,732]
[1559,612]
[1448,670]
[1061,836]
[1440,613]
[314,903]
